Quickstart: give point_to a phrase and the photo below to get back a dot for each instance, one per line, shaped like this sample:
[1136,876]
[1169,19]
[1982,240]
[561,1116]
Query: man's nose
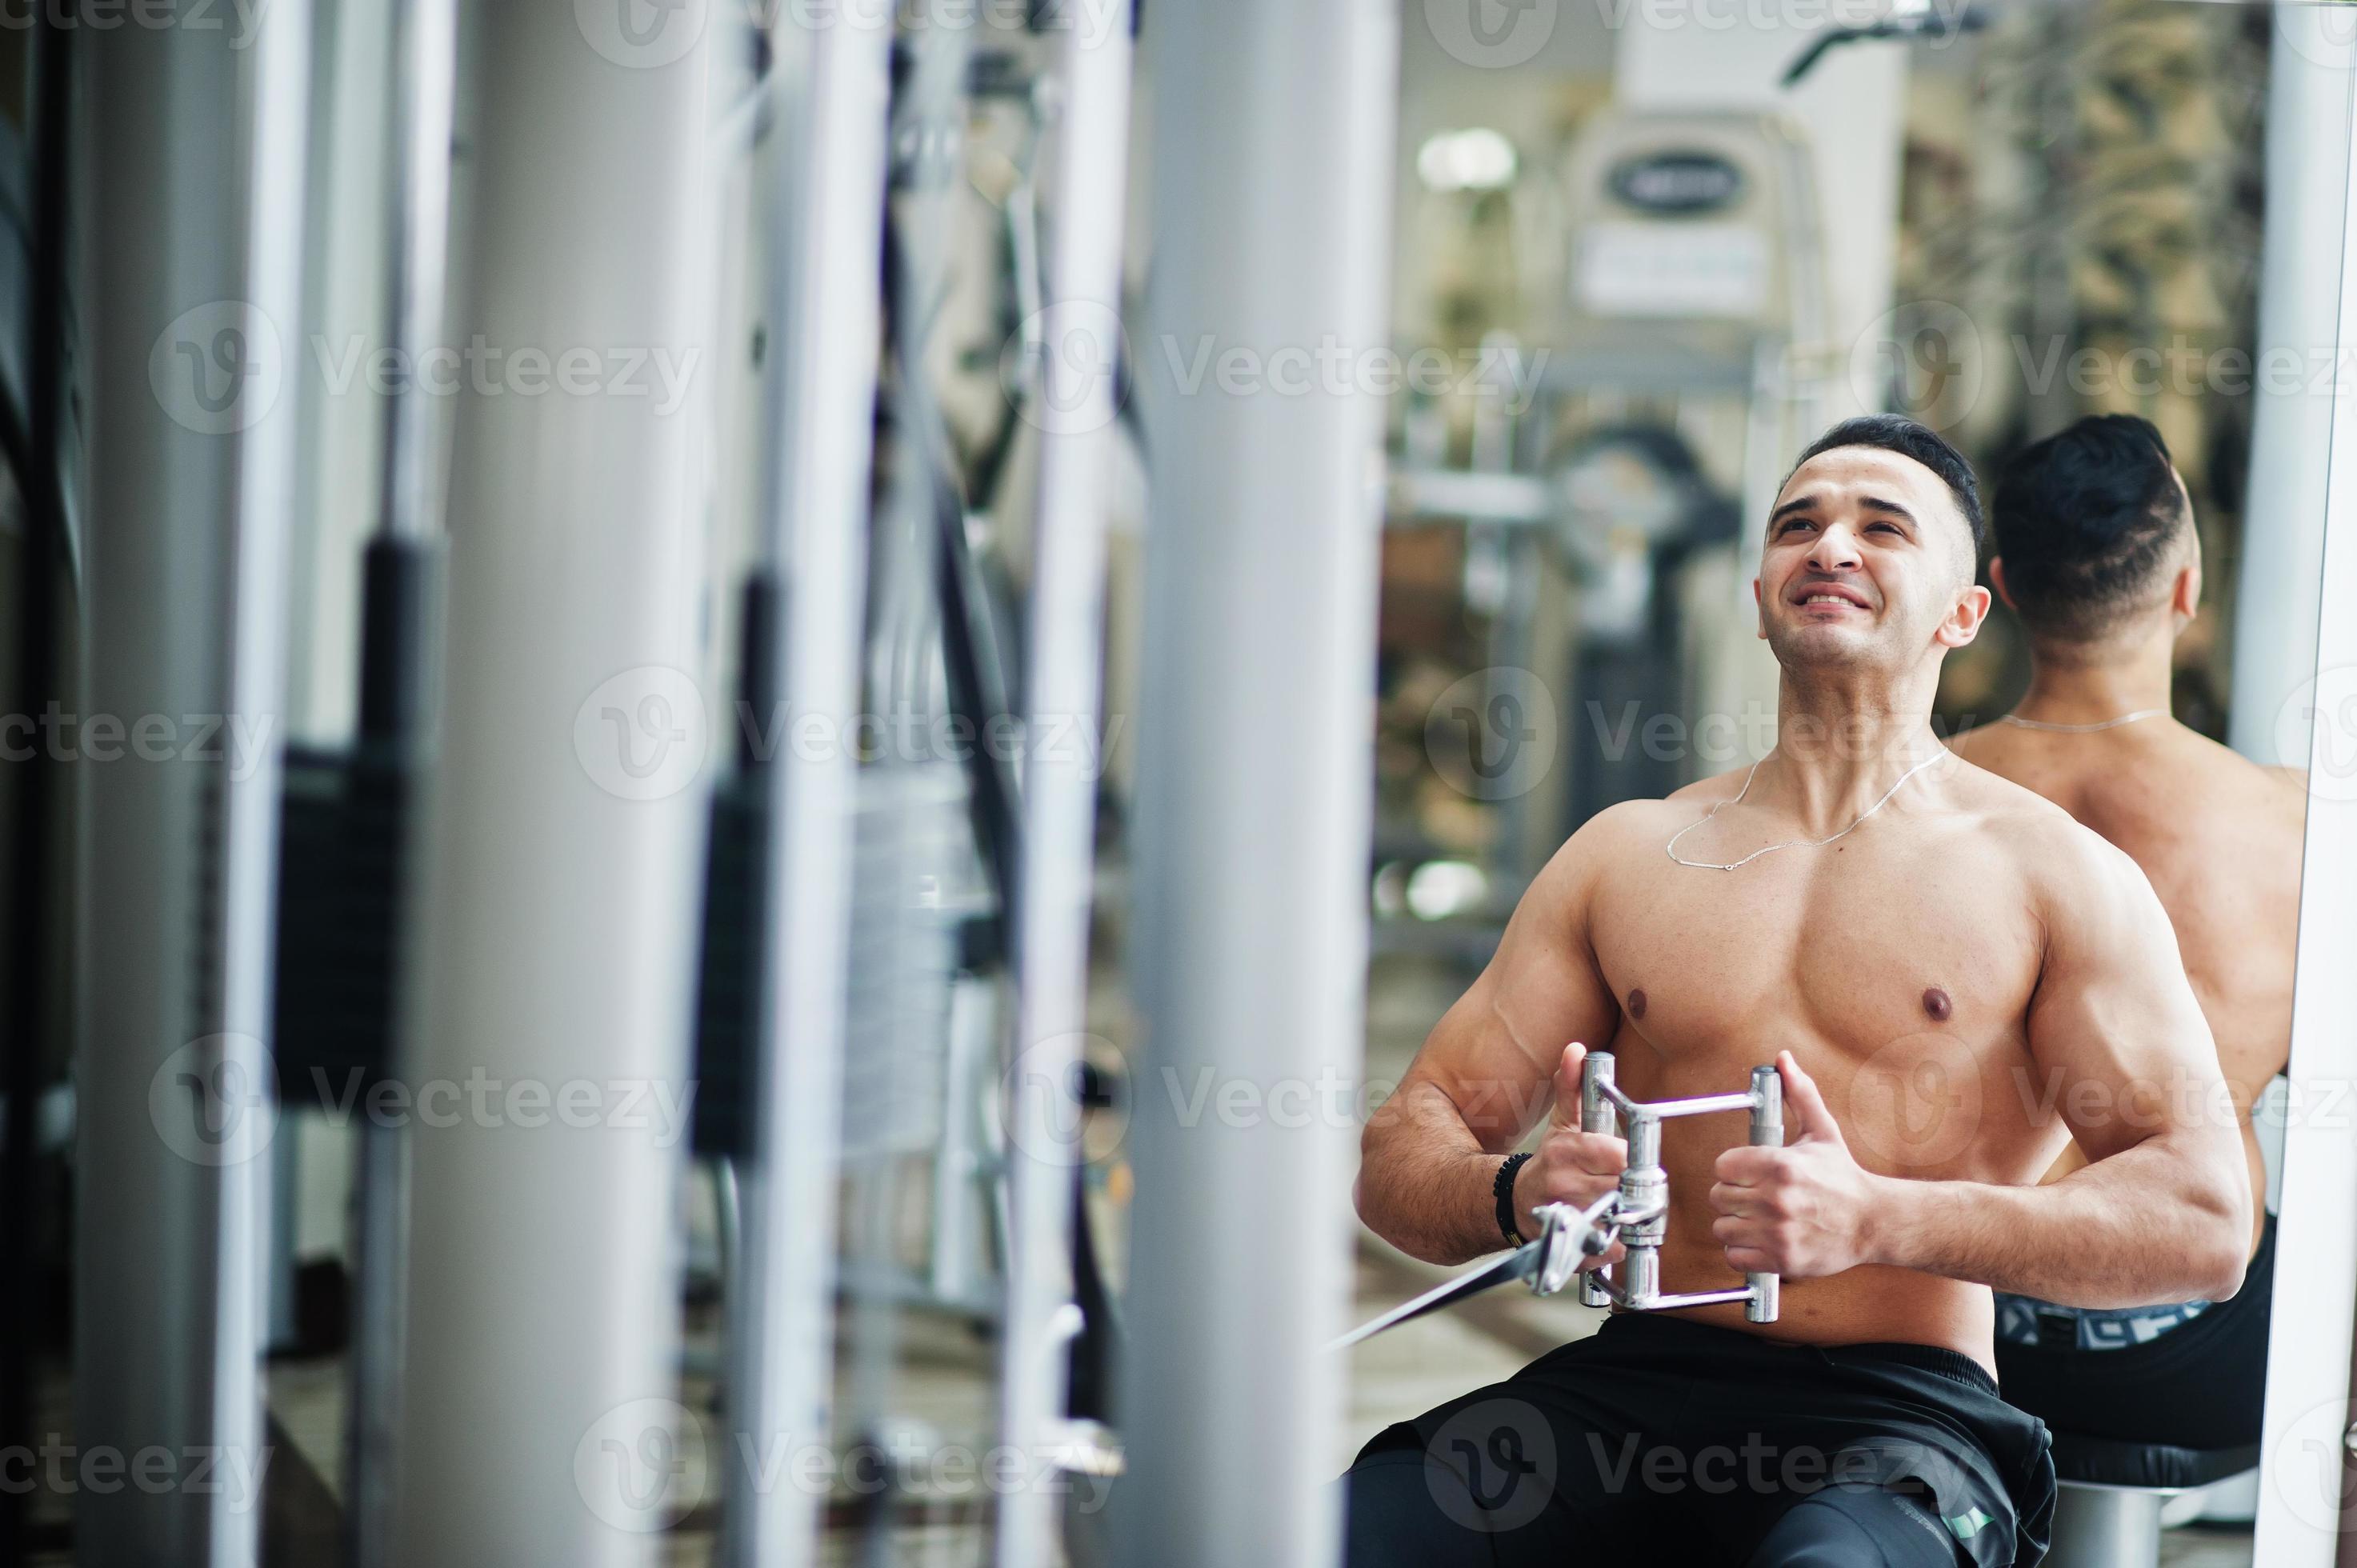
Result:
[1835,550]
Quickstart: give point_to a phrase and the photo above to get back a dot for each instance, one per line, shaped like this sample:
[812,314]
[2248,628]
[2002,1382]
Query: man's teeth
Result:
[1829,599]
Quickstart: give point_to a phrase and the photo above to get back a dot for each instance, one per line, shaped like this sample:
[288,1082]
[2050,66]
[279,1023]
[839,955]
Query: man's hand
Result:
[1569,1166]
[1803,1210]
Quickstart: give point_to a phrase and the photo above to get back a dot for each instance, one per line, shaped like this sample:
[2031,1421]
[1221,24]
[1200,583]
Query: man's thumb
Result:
[1567,1084]
[1802,1096]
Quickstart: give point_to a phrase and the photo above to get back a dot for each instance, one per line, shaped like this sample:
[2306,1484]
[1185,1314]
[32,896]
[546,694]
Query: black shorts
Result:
[2200,1385]
[1683,1442]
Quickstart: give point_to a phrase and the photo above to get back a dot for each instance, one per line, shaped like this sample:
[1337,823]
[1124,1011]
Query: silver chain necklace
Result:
[1671,848]
[2085,729]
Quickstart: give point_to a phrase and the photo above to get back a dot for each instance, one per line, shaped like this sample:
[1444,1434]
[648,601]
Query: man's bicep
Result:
[2115,1020]
[1494,1053]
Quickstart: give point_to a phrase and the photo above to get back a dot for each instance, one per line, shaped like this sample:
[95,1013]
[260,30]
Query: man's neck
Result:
[1841,743]
[2093,682]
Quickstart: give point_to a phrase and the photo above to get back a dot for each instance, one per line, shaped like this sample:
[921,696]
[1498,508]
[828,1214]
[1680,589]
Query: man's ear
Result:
[1996,578]
[1963,623]
[2185,595]
[1759,607]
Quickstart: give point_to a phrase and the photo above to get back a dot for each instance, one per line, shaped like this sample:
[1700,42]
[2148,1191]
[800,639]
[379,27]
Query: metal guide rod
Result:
[557,875]
[1270,221]
[1075,412]
[190,467]
[424,89]
[825,237]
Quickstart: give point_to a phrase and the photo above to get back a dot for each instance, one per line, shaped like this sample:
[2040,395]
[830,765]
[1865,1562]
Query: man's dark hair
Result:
[1897,433]
[2085,521]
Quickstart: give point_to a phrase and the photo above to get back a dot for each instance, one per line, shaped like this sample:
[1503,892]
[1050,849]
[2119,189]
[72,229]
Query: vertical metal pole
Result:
[191,470]
[1076,413]
[1597,1114]
[1273,165]
[426,83]
[2307,153]
[1767,1132]
[561,842]
[425,37]
[825,246]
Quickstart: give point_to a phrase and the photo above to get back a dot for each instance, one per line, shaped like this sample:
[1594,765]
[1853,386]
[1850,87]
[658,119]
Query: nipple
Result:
[1936,1002]
[1637,1004]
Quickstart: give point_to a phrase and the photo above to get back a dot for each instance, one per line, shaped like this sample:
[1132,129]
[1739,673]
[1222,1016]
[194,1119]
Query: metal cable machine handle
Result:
[1643,1210]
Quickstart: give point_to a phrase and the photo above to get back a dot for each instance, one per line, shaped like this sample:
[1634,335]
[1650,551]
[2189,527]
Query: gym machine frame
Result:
[1635,1213]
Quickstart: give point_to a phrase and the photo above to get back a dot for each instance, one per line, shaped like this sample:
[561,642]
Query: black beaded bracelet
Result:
[1503,1188]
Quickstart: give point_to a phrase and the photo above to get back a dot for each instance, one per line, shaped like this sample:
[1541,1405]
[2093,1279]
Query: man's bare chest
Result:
[1911,970]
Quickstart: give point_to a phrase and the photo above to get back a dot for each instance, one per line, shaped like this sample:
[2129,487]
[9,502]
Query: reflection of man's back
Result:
[2098,554]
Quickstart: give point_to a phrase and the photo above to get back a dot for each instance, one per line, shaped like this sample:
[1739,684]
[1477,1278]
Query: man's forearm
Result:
[1425,1183]
[2128,1230]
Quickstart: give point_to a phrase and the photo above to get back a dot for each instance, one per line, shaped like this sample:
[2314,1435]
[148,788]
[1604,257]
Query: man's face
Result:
[1868,563]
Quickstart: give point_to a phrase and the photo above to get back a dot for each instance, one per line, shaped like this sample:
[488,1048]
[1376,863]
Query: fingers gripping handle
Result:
[1767,1132]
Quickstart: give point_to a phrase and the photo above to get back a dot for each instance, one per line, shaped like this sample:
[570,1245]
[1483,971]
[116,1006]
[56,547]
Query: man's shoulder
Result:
[2044,842]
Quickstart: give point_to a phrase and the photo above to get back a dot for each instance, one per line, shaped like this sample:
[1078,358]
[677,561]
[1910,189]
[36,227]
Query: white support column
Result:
[1075,411]
[192,246]
[2301,262]
[560,844]
[1272,169]
[825,247]
[2306,1505]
